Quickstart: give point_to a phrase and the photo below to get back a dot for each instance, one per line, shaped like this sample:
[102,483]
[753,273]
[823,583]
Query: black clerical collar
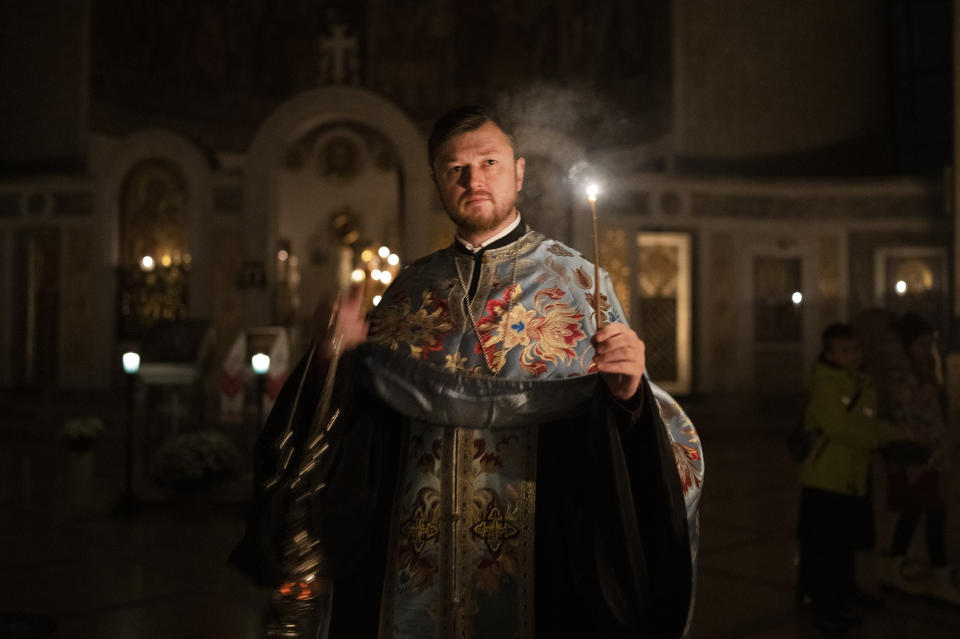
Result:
[506,240]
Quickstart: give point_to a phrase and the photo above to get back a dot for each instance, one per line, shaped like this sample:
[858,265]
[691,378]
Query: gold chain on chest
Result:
[469,305]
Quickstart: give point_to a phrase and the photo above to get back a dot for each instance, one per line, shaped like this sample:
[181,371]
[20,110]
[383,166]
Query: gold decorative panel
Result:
[615,259]
[664,307]
[154,257]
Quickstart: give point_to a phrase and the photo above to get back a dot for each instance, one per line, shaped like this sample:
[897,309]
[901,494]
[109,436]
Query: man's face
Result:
[478,179]
[845,353]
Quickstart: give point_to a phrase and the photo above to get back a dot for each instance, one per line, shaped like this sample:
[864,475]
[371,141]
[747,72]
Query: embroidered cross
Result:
[418,530]
[494,530]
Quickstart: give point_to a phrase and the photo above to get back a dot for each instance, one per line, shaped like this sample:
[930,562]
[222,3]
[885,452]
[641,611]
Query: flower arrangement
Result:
[80,433]
[195,461]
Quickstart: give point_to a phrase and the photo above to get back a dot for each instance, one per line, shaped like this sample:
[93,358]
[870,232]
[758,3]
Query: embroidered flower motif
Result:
[547,333]
[583,280]
[559,249]
[488,462]
[423,330]
[604,307]
[686,457]
[557,269]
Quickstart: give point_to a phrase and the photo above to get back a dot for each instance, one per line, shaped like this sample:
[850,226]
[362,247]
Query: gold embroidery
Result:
[418,530]
[423,330]
[494,530]
[455,362]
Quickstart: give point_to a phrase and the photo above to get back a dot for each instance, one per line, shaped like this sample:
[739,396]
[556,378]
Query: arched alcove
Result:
[181,158]
[319,124]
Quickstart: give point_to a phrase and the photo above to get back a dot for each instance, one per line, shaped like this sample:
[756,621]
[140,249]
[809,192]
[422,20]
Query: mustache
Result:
[470,194]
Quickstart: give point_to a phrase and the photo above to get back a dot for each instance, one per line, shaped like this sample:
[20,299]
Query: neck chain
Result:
[467,301]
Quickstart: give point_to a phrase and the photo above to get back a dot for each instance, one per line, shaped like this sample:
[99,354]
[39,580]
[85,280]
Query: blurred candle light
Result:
[901,287]
[796,298]
[383,252]
[147,263]
[393,259]
[376,274]
[385,277]
[366,255]
[376,299]
[358,275]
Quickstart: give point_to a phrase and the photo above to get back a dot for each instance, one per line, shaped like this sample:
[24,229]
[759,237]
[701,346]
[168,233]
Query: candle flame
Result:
[592,191]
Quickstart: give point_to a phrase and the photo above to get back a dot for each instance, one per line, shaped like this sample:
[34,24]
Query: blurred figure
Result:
[836,514]
[915,491]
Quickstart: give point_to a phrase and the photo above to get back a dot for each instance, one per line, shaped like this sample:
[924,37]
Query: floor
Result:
[67,562]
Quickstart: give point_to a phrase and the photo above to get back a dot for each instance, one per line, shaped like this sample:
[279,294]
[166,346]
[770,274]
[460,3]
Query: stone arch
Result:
[294,118]
[192,163]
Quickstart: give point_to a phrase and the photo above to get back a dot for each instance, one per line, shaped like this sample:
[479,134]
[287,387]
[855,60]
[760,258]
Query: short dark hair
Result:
[461,120]
[835,332]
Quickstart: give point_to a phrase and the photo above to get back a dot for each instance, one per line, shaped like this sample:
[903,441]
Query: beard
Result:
[480,217]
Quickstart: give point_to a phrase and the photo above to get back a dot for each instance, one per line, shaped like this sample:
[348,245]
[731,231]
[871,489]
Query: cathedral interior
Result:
[183,184]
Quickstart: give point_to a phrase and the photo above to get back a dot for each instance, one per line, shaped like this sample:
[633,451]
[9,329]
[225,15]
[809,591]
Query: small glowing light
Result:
[376,299]
[592,191]
[187,259]
[797,298]
[385,277]
[376,274]
[282,255]
[260,363]
[383,252]
[358,275]
[367,255]
[147,263]
[393,259]
[131,362]
[901,287]
[166,260]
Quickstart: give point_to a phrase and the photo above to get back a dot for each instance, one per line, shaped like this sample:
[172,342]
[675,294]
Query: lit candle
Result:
[592,191]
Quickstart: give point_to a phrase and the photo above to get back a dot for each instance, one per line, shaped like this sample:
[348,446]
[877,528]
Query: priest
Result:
[483,461]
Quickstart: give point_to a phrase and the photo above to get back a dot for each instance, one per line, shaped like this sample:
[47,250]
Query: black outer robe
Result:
[612,549]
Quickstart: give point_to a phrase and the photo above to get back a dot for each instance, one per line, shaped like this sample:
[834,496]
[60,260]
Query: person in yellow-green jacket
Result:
[836,513]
